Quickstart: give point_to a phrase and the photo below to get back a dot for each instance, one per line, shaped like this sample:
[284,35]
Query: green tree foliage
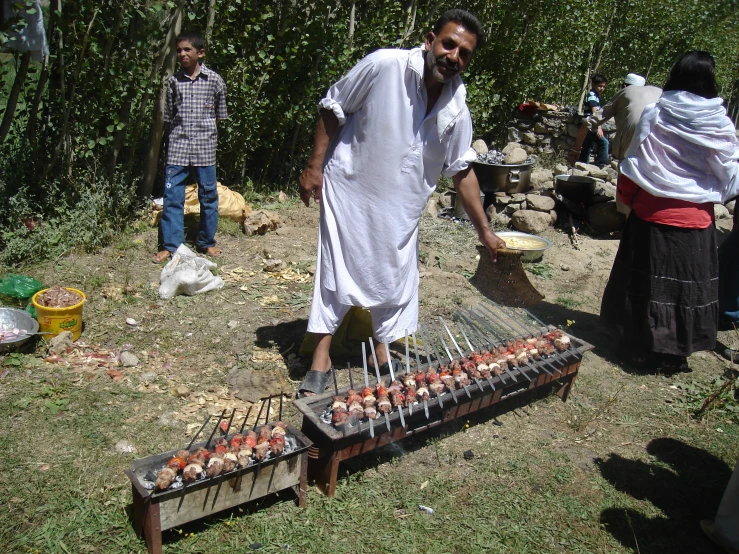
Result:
[86,113]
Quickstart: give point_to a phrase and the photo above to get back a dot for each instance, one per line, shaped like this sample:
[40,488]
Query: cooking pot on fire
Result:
[577,188]
[513,178]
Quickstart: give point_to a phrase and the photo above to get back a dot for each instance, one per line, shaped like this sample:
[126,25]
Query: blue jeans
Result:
[601,145]
[173,214]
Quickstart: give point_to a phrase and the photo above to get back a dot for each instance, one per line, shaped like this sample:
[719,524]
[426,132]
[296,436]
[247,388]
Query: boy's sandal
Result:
[212,251]
[161,256]
[314,382]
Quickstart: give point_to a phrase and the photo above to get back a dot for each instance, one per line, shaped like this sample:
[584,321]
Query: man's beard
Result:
[433,64]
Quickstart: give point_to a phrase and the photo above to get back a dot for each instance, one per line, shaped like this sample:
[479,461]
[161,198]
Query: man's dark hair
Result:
[194,38]
[465,19]
[694,72]
[598,78]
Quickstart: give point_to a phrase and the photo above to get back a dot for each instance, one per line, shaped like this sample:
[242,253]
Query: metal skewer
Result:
[377,369]
[428,345]
[546,330]
[246,417]
[269,405]
[230,421]
[446,348]
[259,415]
[527,364]
[349,370]
[279,416]
[415,347]
[451,390]
[407,355]
[374,358]
[461,330]
[336,385]
[480,331]
[526,331]
[366,384]
[461,355]
[195,436]
[223,413]
[218,488]
[389,361]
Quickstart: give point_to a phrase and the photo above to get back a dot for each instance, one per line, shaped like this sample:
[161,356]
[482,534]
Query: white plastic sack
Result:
[187,273]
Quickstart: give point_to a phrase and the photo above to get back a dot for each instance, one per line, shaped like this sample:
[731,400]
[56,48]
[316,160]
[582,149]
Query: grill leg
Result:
[302,487]
[323,470]
[146,522]
[564,390]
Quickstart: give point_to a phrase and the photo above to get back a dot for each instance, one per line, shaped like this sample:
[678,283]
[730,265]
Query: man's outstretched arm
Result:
[311,180]
[468,191]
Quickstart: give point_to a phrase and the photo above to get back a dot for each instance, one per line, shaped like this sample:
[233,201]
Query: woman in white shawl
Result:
[662,295]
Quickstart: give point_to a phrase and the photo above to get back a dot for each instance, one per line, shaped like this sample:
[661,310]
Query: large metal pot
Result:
[574,187]
[502,177]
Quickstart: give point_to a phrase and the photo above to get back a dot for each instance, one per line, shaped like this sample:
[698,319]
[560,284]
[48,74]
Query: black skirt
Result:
[662,295]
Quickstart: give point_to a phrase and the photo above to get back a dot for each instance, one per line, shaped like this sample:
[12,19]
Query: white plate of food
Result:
[532,246]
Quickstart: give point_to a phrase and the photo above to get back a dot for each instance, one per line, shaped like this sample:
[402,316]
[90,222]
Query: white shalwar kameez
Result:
[382,166]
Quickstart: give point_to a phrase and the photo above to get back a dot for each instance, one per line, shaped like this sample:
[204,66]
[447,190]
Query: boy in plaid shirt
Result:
[195,101]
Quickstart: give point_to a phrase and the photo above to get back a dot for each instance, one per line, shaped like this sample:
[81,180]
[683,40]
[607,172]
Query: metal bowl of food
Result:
[532,246]
[16,327]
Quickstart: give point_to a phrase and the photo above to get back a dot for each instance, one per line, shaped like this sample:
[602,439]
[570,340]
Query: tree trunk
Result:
[151,161]
[352,15]
[20,78]
[209,24]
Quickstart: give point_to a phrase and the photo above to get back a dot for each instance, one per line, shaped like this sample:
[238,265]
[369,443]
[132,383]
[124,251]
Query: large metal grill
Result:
[486,326]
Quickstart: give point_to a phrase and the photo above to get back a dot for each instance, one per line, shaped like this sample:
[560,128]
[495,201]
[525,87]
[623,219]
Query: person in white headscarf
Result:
[724,528]
[625,108]
[661,300]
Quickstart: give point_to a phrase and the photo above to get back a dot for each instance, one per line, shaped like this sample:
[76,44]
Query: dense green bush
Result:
[84,119]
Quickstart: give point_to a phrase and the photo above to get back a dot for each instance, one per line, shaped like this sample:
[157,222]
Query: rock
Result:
[252,386]
[518,197]
[260,222]
[502,200]
[546,150]
[168,420]
[446,199]
[524,125]
[541,129]
[612,173]
[545,187]
[432,207]
[579,173]
[510,209]
[561,169]
[564,143]
[232,324]
[605,189]
[592,170]
[529,149]
[540,176]
[721,212]
[497,219]
[605,218]
[510,147]
[311,269]
[148,376]
[514,135]
[61,343]
[129,359]
[274,266]
[480,147]
[730,206]
[599,198]
[564,267]
[530,221]
[572,130]
[181,390]
[553,215]
[282,197]
[124,447]
[516,156]
[539,203]
[491,212]
[529,138]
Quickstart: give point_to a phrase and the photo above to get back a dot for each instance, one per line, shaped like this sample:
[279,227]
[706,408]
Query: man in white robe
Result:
[387,131]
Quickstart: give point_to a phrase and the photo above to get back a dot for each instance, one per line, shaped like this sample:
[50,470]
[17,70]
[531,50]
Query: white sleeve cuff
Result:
[460,164]
[335,107]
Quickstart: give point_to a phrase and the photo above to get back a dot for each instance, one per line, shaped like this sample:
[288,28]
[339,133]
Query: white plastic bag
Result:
[187,273]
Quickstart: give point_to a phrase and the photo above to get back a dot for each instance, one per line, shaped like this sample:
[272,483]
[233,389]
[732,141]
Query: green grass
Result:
[568,302]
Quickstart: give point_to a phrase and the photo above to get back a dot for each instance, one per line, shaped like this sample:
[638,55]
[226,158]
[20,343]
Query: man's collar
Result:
[451,102]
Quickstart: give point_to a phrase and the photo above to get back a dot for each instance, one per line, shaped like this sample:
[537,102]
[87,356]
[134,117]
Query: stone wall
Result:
[547,132]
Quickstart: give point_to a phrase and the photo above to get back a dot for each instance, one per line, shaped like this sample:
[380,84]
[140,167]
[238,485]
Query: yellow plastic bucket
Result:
[58,320]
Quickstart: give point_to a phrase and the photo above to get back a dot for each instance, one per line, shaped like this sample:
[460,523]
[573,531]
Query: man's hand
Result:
[311,184]
[493,242]
[572,157]
[599,132]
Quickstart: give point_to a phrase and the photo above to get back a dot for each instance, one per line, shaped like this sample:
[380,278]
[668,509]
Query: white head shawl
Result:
[685,147]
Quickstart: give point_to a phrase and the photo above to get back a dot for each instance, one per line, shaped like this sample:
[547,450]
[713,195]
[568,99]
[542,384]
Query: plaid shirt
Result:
[192,107]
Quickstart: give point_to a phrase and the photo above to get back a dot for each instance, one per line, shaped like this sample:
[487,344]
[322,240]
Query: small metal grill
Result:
[483,327]
[182,502]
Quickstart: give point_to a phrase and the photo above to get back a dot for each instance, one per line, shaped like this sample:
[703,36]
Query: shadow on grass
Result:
[685,483]
[285,335]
